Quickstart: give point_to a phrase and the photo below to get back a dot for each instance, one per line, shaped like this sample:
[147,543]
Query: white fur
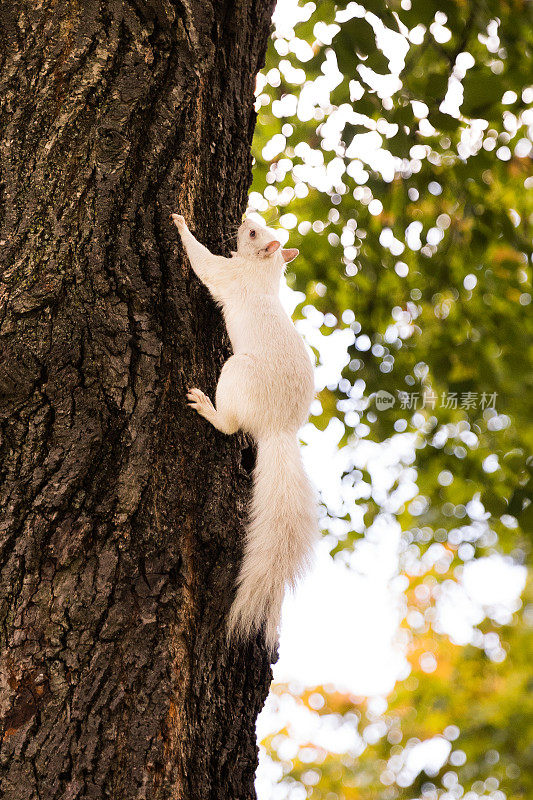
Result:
[264,389]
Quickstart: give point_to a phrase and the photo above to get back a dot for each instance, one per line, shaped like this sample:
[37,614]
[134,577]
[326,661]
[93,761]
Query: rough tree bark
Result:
[121,509]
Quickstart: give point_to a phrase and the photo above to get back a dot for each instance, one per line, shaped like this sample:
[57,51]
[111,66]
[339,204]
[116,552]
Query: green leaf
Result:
[400,144]
[351,130]
[526,520]
[378,62]
[436,86]
[482,91]
[340,94]
[359,34]
[443,122]
[495,505]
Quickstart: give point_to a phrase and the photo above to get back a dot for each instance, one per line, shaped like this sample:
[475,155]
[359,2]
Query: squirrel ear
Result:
[290,255]
[271,247]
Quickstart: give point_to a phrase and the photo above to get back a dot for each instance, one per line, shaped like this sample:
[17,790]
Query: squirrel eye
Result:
[252,234]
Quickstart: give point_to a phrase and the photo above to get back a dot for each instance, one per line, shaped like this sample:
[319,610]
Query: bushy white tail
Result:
[280,537]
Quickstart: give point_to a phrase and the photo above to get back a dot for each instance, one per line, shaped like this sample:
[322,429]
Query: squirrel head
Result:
[256,242]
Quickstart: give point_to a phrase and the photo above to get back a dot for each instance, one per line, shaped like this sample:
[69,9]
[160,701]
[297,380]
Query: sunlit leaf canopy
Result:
[393,147]
[394,141]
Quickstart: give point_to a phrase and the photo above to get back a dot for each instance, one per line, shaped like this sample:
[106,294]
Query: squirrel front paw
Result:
[179,222]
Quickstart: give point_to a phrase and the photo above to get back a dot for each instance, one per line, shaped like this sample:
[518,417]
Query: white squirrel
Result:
[264,389]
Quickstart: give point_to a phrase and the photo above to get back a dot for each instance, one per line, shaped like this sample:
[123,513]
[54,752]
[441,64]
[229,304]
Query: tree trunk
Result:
[122,510]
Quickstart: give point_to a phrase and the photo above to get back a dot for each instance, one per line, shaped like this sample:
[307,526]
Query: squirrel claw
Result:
[199,401]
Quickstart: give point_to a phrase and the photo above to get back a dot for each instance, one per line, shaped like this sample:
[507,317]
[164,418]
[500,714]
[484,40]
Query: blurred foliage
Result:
[394,139]
[426,251]
[489,753]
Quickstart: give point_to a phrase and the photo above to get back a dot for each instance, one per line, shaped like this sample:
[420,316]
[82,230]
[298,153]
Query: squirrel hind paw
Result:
[200,402]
